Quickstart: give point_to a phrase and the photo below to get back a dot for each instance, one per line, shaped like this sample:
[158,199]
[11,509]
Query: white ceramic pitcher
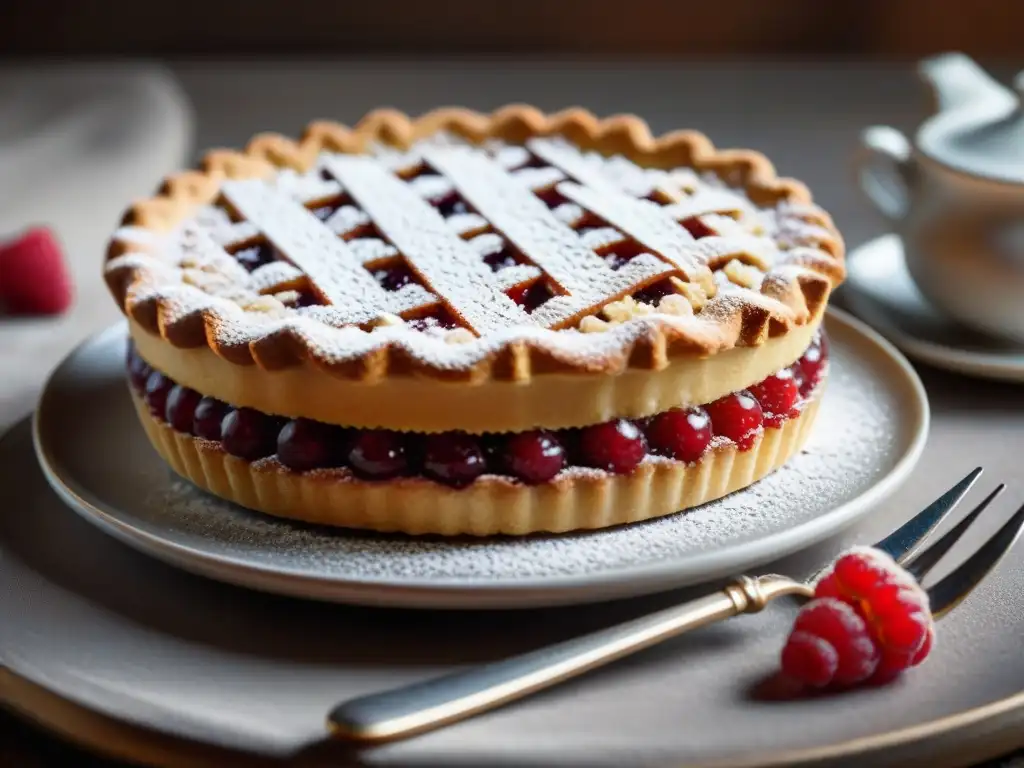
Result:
[955,195]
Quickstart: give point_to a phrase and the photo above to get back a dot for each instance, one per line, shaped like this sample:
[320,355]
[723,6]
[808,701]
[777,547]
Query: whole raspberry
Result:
[34,279]
[810,659]
[888,602]
[827,623]
[894,663]
[899,618]
[893,604]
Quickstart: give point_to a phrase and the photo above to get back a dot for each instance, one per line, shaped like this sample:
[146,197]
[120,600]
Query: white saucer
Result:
[881,291]
[870,433]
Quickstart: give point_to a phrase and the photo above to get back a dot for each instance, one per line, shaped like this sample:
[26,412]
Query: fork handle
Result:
[427,705]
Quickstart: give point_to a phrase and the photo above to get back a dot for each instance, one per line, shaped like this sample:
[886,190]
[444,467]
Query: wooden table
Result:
[805,116]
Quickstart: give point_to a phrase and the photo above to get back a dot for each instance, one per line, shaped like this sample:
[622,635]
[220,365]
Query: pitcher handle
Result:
[884,170]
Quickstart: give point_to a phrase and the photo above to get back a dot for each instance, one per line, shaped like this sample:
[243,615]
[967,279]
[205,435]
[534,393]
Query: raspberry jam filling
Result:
[457,459]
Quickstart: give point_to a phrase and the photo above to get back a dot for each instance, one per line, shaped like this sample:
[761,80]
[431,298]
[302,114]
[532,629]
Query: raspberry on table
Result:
[34,275]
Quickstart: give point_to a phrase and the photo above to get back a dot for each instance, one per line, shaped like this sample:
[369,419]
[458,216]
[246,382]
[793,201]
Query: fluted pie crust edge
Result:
[781,305]
[491,505]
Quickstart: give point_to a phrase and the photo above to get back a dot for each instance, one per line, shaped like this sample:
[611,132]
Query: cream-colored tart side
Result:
[417,404]
[577,499]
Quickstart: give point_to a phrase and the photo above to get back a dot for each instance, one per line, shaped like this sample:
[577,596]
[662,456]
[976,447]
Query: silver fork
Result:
[428,705]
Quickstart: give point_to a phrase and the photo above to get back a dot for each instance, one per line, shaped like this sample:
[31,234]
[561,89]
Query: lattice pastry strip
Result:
[444,261]
[583,279]
[617,199]
[646,223]
[659,236]
[303,239]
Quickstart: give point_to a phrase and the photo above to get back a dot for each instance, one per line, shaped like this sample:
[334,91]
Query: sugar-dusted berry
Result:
[841,626]
[682,434]
[812,364]
[738,417]
[777,396]
[533,457]
[891,605]
[615,446]
[453,458]
[810,659]
[249,434]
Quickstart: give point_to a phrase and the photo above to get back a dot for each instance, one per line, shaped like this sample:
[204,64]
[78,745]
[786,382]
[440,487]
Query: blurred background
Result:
[638,28]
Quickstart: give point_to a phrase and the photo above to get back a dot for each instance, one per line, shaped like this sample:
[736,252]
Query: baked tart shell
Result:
[578,499]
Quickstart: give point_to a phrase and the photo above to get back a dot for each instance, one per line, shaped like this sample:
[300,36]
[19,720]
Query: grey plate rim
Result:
[958,737]
[521,593]
[989,365]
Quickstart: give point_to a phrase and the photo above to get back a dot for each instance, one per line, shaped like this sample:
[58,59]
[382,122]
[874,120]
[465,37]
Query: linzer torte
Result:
[476,324]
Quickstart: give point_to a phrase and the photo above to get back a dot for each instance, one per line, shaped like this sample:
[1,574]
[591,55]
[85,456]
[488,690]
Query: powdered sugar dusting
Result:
[588,281]
[855,441]
[191,271]
[451,266]
[327,260]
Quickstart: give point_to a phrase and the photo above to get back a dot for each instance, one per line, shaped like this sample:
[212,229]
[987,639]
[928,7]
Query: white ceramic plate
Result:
[870,432]
[880,290]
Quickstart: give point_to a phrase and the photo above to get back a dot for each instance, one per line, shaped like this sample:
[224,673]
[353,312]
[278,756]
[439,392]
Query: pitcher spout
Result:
[957,82]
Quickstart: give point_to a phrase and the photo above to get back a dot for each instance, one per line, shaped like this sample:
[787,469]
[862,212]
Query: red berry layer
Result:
[457,458]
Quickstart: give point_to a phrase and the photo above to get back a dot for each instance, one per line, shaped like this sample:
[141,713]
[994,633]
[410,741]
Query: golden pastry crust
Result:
[788,298]
[404,404]
[491,505]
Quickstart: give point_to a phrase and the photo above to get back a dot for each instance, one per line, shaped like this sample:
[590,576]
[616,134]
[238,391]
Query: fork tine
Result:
[903,543]
[921,563]
[948,593]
